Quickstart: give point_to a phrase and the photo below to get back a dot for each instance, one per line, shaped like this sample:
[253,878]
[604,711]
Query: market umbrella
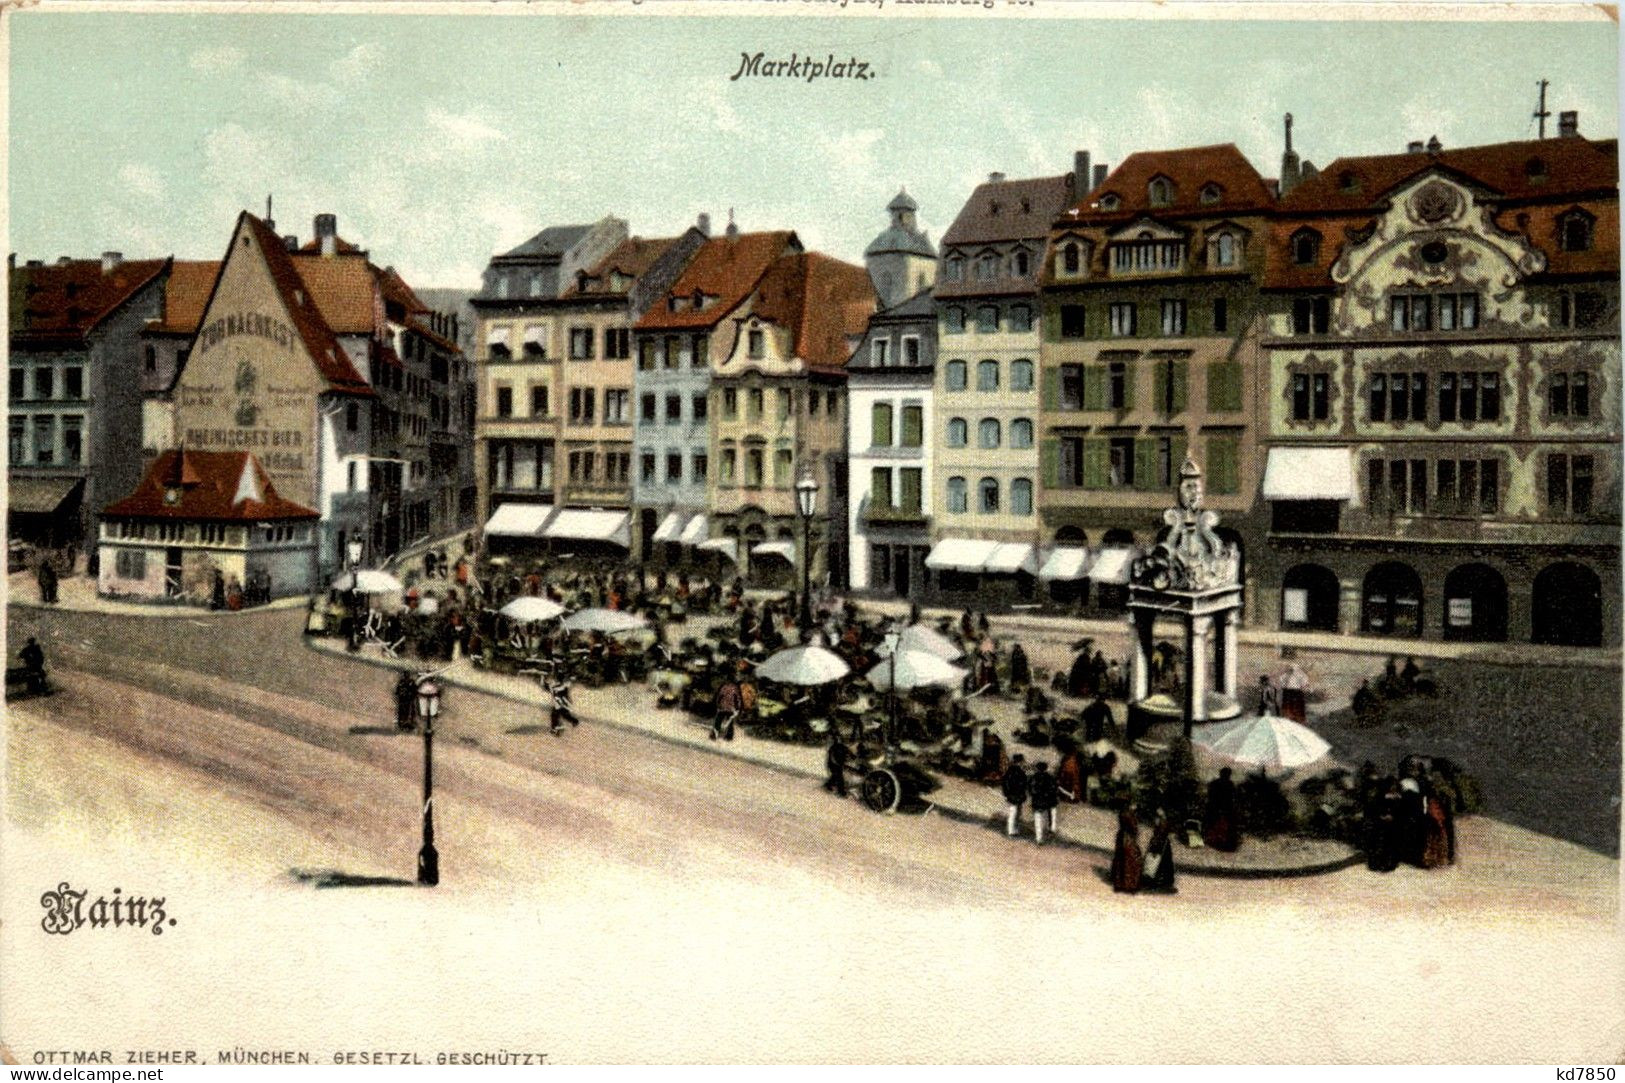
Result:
[608,621]
[428,605]
[367,581]
[1267,741]
[529,608]
[807,665]
[907,670]
[918,637]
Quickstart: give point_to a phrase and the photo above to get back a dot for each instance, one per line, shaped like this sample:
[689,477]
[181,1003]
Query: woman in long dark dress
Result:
[1219,827]
[1128,863]
[1159,857]
[1382,828]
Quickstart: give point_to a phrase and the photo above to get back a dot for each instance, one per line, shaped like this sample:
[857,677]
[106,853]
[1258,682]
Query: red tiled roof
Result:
[1009,211]
[725,270]
[340,246]
[1190,169]
[1540,225]
[208,482]
[825,300]
[191,282]
[632,258]
[342,290]
[66,301]
[307,316]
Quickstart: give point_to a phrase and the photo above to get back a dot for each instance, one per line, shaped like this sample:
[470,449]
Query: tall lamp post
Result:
[893,639]
[428,708]
[806,504]
[353,552]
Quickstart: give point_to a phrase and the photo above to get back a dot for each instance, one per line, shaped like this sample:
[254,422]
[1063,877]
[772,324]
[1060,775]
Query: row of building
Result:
[1398,374]
[265,418]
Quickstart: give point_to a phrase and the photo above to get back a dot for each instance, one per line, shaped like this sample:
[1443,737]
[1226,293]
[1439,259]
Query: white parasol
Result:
[529,609]
[918,637]
[428,605]
[608,621]
[807,665]
[367,581]
[1263,741]
[908,670]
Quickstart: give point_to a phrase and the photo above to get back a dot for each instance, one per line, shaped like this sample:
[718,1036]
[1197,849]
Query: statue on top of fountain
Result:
[1191,555]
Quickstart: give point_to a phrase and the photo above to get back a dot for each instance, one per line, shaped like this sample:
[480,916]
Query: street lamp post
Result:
[353,552]
[806,504]
[892,640]
[428,708]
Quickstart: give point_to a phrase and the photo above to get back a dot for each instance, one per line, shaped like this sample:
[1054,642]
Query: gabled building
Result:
[986,528]
[74,397]
[520,349]
[1150,286]
[1443,395]
[777,399]
[684,336]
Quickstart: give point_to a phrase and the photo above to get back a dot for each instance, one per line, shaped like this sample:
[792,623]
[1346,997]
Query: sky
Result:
[440,139]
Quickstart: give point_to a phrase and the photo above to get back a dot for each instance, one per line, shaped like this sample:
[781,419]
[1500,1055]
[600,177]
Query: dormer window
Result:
[993,208]
[1224,250]
[699,300]
[757,345]
[1305,247]
[535,285]
[1071,258]
[1535,170]
[986,266]
[1211,193]
[1019,263]
[1110,202]
[956,268]
[1160,192]
[1574,231]
[1347,181]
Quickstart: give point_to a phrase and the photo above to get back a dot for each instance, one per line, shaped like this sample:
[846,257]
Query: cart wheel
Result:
[882,792]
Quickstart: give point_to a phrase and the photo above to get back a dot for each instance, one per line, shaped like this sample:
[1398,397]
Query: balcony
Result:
[881,514]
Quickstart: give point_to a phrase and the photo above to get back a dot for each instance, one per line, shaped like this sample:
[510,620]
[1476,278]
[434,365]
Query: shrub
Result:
[1264,808]
[1170,782]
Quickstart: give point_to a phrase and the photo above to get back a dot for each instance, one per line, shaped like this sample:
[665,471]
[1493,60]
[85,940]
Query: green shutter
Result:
[1051,389]
[1221,463]
[1094,387]
[1097,471]
[881,428]
[1130,377]
[1159,385]
[913,425]
[1145,463]
[880,488]
[1181,379]
[1049,461]
[1180,447]
[1224,385]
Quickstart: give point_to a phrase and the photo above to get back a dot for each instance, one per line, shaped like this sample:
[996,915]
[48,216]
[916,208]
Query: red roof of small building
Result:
[1189,171]
[724,271]
[66,301]
[306,314]
[340,247]
[191,282]
[207,485]
[826,301]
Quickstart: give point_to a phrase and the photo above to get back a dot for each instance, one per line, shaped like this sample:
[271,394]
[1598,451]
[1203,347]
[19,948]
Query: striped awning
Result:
[1010,558]
[1066,564]
[669,526]
[694,532]
[1112,566]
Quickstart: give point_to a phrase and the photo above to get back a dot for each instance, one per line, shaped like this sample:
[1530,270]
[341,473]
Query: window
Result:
[830,407]
[954,318]
[784,403]
[578,466]
[1458,311]
[1469,396]
[958,432]
[987,265]
[150,360]
[1570,394]
[1071,258]
[1021,496]
[1574,231]
[1117,385]
[987,433]
[646,467]
[646,354]
[955,268]
[911,350]
[1021,318]
[753,404]
[1122,317]
[583,405]
[646,409]
[1169,380]
[1569,483]
[671,352]
[730,459]
[1311,396]
[913,426]
[987,319]
[1021,375]
[880,488]
[987,496]
[1221,314]
[1410,312]
[131,563]
[674,467]
[674,409]
[17,384]
[1224,385]
[880,425]
[955,375]
[1069,462]
[877,352]
[987,376]
[1072,321]
[701,465]
[73,449]
[912,478]
[1021,433]
[699,350]
[581,344]
[538,400]
[45,383]
[16,433]
[1173,317]
[1120,461]
[1224,250]
[1467,486]
[73,382]
[1311,315]
[1581,309]
[756,345]
[1147,254]
[504,402]
[616,406]
[1211,193]
[697,408]
[730,403]
[1020,263]
[1071,387]
[44,439]
[754,458]
[1223,462]
[1305,247]
[618,343]
[1159,192]
[1397,486]
[957,497]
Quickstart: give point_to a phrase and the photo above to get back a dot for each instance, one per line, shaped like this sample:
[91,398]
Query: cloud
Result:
[358,63]
[468,129]
[215,59]
[141,180]
[297,94]
[853,152]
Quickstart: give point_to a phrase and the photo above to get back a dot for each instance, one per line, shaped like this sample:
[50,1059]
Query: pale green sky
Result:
[439,139]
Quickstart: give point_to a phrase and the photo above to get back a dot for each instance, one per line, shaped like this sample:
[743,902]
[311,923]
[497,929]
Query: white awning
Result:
[518,520]
[785,549]
[1111,566]
[694,532]
[581,525]
[960,554]
[1010,558]
[1309,473]
[669,526]
[1066,564]
[728,547]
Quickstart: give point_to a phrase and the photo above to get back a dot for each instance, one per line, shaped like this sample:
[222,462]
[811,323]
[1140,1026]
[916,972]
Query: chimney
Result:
[1434,146]
[995,178]
[1100,175]
[327,232]
[1568,124]
[291,242]
[704,223]
[36,263]
[63,261]
[1080,171]
[110,261]
[270,223]
[733,227]
[1414,147]
[1307,170]
[1291,170]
